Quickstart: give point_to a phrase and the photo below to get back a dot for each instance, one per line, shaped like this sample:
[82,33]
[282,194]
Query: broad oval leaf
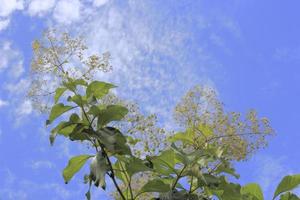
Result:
[289,196]
[185,137]
[63,128]
[74,165]
[71,84]
[254,190]
[114,141]
[98,89]
[77,99]
[155,185]
[56,111]
[58,93]
[111,113]
[135,165]
[287,183]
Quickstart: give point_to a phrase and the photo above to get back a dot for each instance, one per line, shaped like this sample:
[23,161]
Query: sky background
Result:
[249,51]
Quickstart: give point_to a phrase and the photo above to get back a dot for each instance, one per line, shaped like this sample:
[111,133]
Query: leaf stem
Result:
[191,186]
[112,174]
[128,180]
[178,177]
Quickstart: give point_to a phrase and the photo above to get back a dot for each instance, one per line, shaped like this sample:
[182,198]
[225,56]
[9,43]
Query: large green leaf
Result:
[155,185]
[165,162]
[225,167]
[111,113]
[289,196]
[231,191]
[227,190]
[72,84]
[135,165]
[253,190]
[205,130]
[287,183]
[80,132]
[58,93]
[98,89]
[63,128]
[185,137]
[56,111]
[113,140]
[208,180]
[74,165]
[77,99]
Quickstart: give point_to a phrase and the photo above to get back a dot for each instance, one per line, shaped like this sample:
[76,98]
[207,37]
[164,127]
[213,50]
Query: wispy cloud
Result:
[6,9]
[67,11]
[40,8]
[269,170]
[3,103]
[4,24]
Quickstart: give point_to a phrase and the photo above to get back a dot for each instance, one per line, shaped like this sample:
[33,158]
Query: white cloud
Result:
[17,69]
[269,170]
[99,3]
[150,55]
[25,108]
[11,59]
[41,164]
[18,88]
[9,6]
[6,54]
[3,103]
[4,24]
[67,11]
[39,8]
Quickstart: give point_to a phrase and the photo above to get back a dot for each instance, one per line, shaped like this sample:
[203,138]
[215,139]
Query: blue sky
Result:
[249,51]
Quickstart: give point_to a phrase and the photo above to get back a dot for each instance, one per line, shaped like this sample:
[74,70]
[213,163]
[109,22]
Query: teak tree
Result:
[194,163]
[206,170]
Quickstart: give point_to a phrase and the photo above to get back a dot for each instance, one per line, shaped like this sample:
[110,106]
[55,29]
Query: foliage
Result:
[205,170]
[204,118]
[141,159]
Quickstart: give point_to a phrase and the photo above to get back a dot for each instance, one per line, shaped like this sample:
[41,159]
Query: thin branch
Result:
[178,177]
[112,174]
[191,186]
[128,180]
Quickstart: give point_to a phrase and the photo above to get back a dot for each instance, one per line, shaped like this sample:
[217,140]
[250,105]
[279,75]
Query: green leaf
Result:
[289,196]
[56,111]
[113,140]
[135,165]
[231,191]
[185,137]
[254,190]
[98,89]
[71,84]
[206,130]
[287,183]
[155,185]
[226,168]
[74,165]
[94,110]
[80,132]
[63,128]
[88,195]
[165,162]
[58,93]
[74,118]
[111,113]
[77,99]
